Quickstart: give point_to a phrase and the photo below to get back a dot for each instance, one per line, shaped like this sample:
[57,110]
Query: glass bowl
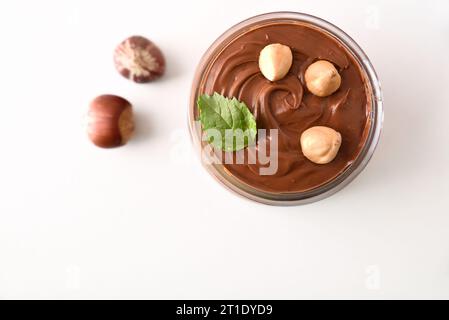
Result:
[234,184]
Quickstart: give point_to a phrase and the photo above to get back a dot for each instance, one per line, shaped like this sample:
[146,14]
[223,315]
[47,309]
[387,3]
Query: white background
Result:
[147,221]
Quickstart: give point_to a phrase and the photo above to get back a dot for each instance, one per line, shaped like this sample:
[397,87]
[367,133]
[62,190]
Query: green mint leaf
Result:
[228,123]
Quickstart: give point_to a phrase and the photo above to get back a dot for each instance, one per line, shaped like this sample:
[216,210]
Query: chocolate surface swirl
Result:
[287,105]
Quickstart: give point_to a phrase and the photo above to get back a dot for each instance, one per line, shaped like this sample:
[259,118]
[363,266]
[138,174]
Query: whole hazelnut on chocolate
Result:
[110,121]
[139,59]
[320,144]
[322,79]
[275,60]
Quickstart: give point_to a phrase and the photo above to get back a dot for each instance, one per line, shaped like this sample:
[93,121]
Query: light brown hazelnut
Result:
[110,121]
[139,59]
[275,60]
[322,79]
[320,144]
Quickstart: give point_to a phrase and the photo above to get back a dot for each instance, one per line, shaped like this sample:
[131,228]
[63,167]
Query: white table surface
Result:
[147,221]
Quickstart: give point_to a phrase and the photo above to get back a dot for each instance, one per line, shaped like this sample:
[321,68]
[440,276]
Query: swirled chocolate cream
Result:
[298,79]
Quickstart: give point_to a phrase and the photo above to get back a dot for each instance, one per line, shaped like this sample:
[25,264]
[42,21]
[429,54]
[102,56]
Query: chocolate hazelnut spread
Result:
[288,106]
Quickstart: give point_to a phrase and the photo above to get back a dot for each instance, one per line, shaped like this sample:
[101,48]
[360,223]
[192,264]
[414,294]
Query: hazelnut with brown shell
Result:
[138,59]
